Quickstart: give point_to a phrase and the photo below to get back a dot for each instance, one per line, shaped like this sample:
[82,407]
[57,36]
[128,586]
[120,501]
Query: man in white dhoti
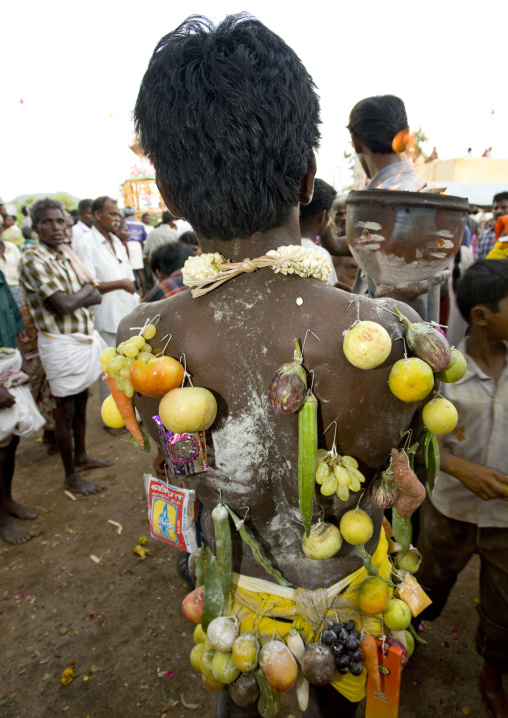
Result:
[59,292]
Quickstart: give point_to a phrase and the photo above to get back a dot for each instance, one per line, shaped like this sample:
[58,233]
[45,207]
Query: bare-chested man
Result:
[229,118]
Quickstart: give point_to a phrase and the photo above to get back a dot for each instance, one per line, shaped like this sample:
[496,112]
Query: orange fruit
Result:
[373,595]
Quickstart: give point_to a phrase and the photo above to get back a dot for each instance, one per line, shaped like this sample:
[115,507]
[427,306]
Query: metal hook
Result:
[305,338]
[312,384]
[186,374]
[334,444]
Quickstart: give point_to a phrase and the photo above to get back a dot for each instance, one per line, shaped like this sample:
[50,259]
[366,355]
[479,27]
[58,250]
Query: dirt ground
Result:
[77,596]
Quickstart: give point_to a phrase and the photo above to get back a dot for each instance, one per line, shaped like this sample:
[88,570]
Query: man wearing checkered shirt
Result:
[486,240]
[59,291]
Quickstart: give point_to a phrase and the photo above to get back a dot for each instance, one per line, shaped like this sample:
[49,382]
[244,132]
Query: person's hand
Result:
[408,291]
[128,286]
[6,399]
[483,481]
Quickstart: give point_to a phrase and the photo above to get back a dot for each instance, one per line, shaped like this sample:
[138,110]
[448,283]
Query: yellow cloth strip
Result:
[259,605]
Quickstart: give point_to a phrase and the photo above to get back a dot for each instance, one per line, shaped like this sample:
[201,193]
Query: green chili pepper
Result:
[402,530]
[426,442]
[369,566]
[214,597]
[434,462]
[415,634]
[251,542]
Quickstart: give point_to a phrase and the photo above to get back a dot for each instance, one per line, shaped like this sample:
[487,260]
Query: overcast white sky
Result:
[75,63]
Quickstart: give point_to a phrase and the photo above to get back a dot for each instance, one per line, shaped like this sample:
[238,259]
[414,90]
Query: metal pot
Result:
[399,237]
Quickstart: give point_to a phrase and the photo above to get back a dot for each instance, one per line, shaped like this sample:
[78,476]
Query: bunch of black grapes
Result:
[343,638]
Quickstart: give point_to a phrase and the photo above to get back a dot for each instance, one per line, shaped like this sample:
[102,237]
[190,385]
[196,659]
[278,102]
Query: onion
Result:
[384,491]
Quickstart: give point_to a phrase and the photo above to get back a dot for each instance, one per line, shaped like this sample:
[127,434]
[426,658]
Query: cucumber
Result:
[200,567]
[268,702]
[223,548]
[307,454]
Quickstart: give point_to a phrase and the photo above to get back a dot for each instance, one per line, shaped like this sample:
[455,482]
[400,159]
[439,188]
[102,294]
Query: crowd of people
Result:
[66,284]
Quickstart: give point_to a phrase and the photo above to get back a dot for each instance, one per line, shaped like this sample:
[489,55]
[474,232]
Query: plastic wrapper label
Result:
[184,454]
[171,513]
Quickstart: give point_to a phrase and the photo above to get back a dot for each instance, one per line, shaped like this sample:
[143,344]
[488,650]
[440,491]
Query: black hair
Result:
[26,231]
[377,120]
[167,218]
[485,283]
[99,203]
[41,206]
[85,204]
[24,210]
[229,117]
[146,214]
[323,197]
[500,197]
[188,238]
[170,257]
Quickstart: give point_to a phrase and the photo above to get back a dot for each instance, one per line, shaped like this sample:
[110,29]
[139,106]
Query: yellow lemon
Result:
[411,379]
[110,414]
[440,416]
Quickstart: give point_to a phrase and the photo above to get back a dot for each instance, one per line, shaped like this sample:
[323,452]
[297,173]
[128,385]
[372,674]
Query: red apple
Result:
[192,605]
[156,376]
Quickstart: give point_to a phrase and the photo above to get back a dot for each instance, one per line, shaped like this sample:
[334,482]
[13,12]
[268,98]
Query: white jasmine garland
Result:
[288,259]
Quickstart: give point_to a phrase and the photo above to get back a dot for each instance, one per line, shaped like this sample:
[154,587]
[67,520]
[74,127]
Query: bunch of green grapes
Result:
[336,473]
[117,362]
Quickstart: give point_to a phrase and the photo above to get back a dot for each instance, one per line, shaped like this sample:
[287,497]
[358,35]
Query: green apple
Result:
[410,643]
[397,615]
[455,369]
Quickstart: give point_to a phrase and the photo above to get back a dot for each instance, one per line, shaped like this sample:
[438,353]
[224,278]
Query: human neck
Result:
[376,161]
[102,230]
[258,243]
[487,352]
[309,230]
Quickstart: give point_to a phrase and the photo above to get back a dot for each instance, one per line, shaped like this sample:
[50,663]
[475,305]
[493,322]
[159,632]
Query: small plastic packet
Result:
[410,591]
[184,454]
[171,513]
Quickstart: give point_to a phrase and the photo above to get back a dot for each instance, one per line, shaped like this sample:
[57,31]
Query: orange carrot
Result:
[126,409]
[370,659]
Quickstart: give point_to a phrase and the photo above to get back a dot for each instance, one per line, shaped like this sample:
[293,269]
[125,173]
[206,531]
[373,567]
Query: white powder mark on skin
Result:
[369,225]
[374,246]
[438,255]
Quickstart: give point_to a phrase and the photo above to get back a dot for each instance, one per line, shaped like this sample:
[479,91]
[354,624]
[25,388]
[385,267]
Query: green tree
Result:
[66,200]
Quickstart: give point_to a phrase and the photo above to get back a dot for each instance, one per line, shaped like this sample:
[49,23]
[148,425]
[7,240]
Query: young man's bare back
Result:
[234,340]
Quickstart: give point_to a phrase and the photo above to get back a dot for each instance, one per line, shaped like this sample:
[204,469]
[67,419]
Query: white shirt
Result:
[10,264]
[135,250]
[160,236]
[309,244]
[78,230]
[107,265]
[479,437]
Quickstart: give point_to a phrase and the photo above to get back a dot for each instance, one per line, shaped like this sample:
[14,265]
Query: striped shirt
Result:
[44,271]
